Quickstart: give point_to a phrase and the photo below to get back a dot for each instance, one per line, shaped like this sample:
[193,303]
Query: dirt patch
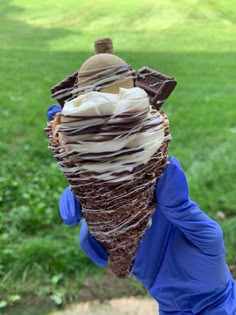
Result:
[101,288]
[107,286]
[30,305]
[122,306]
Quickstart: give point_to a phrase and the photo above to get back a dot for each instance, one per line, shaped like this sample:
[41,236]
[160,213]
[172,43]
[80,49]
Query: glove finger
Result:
[52,110]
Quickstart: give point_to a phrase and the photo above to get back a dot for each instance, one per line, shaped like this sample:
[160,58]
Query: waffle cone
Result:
[129,205]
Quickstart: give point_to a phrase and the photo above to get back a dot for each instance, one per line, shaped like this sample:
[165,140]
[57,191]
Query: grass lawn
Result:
[44,41]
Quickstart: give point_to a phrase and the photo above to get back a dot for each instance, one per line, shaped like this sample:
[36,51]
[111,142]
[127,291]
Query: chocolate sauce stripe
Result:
[114,135]
[89,130]
[88,78]
[102,156]
[116,123]
[113,153]
[94,174]
[114,120]
[137,174]
[84,117]
[132,113]
[117,68]
[69,155]
[98,128]
[117,129]
[78,118]
[95,85]
[100,159]
[101,139]
[66,91]
[105,131]
[123,122]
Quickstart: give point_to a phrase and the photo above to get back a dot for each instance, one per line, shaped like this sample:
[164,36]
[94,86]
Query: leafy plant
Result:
[11,299]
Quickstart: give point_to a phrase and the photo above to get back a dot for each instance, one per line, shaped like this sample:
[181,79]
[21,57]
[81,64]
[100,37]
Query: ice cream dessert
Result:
[112,145]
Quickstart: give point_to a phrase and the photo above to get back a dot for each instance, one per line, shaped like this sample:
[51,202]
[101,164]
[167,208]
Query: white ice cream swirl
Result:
[108,135]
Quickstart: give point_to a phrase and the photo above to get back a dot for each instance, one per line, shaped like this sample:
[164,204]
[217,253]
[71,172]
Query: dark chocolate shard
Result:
[158,86]
[62,91]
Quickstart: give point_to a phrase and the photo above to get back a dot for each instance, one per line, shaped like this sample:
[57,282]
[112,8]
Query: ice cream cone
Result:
[111,149]
[115,188]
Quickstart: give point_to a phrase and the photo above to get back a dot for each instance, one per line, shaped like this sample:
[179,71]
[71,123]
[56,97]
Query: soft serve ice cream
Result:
[109,134]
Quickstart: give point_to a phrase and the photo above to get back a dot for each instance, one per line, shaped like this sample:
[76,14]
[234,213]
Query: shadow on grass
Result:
[17,33]
[205,89]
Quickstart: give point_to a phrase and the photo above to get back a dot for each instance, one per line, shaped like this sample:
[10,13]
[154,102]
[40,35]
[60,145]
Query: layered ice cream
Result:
[112,148]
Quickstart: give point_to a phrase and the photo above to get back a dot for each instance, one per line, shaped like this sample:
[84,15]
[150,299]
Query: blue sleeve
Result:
[174,202]
[69,207]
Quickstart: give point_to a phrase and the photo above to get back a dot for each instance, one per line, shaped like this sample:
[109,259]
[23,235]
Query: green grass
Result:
[41,43]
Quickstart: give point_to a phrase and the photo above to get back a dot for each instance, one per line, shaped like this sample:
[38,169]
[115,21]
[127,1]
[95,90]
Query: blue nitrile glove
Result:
[69,208]
[52,110]
[181,258]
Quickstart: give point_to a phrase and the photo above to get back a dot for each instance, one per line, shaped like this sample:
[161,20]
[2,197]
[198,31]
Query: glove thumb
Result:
[172,187]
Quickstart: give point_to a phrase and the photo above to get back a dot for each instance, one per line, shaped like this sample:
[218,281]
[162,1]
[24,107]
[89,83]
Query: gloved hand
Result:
[173,200]
[180,259]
